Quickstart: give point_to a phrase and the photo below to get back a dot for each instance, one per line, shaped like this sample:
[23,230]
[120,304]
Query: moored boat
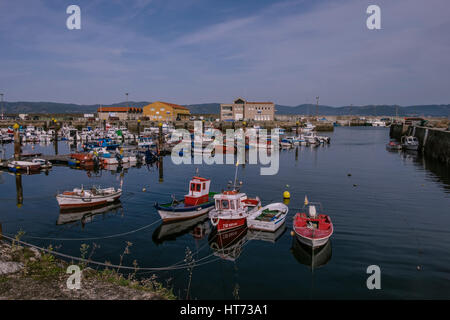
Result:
[197,202]
[268,218]
[45,164]
[313,229]
[232,209]
[23,166]
[80,197]
[410,143]
[394,145]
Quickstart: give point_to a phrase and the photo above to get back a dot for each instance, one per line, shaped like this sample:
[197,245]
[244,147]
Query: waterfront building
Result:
[119,113]
[241,109]
[164,111]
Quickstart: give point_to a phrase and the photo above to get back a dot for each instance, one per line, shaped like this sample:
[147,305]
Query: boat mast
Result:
[235,174]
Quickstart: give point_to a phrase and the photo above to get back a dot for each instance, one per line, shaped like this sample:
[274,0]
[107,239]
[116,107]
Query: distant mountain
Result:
[214,108]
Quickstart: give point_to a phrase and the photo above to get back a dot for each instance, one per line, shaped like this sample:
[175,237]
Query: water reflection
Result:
[313,258]
[228,245]
[198,227]
[265,235]
[83,216]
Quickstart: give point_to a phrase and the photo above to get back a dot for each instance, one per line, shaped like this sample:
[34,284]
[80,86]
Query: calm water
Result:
[393,211]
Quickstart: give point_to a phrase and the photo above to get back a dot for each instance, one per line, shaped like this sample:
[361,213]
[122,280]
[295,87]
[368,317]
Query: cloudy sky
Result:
[200,51]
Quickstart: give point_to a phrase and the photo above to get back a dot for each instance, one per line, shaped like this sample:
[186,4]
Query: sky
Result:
[203,51]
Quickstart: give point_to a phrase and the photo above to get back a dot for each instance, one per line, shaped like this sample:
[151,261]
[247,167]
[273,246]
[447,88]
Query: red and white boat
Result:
[232,209]
[87,198]
[312,228]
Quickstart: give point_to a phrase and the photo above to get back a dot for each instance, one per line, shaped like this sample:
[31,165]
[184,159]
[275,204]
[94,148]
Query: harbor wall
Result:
[434,143]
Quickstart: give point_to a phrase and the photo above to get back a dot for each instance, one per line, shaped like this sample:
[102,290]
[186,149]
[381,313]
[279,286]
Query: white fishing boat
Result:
[45,164]
[410,143]
[268,218]
[80,197]
[23,166]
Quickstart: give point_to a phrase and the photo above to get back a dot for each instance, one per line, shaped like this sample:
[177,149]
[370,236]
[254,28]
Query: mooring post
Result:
[296,127]
[17,142]
[104,124]
[296,154]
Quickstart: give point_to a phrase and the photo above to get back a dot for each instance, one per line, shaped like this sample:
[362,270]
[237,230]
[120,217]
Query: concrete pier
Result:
[434,143]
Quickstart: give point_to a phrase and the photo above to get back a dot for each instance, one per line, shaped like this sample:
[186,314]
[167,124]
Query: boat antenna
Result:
[235,175]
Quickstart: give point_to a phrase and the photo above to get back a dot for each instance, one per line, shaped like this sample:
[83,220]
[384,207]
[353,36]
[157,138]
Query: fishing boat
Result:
[81,197]
[45,164]
[410,143]
[268,218]
[24,166]
[197,202]
[394,145]
[313,229]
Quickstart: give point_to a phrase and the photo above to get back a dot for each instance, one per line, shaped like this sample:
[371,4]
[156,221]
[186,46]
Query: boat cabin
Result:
[198,191]
[233,201]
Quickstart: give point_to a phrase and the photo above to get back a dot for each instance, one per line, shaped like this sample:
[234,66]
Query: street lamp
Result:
[3,111]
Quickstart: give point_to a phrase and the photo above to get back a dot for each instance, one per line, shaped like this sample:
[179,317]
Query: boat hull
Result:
[189,212]
[312,242]
[71,202]
[225,224]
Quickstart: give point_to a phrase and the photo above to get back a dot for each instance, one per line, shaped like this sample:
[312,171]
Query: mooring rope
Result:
[100,263]
[94,238]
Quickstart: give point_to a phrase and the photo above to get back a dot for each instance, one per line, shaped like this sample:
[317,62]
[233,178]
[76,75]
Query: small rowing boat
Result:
[80,197]
[313,229]
[268,218]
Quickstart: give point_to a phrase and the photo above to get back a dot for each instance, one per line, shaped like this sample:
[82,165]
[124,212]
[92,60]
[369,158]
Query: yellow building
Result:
[163,111]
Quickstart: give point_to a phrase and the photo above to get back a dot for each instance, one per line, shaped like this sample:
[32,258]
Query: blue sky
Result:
[200,51]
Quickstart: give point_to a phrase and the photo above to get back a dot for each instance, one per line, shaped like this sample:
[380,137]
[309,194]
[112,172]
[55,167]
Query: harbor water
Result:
[390,209]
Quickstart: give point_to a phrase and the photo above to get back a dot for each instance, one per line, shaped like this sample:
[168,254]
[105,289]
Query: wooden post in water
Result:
[19,190]
[296,127]
[104,124]
[17,142]
[296,154]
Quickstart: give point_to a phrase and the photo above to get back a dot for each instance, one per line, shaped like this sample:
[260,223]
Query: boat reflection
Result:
[265,235]
[228,244]
[313,258]
[198,228]
[84,216]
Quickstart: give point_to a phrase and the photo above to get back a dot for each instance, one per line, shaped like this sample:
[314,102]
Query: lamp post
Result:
[3,111]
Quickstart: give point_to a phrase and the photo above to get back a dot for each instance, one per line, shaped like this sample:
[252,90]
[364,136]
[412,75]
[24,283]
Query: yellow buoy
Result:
[286,195]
